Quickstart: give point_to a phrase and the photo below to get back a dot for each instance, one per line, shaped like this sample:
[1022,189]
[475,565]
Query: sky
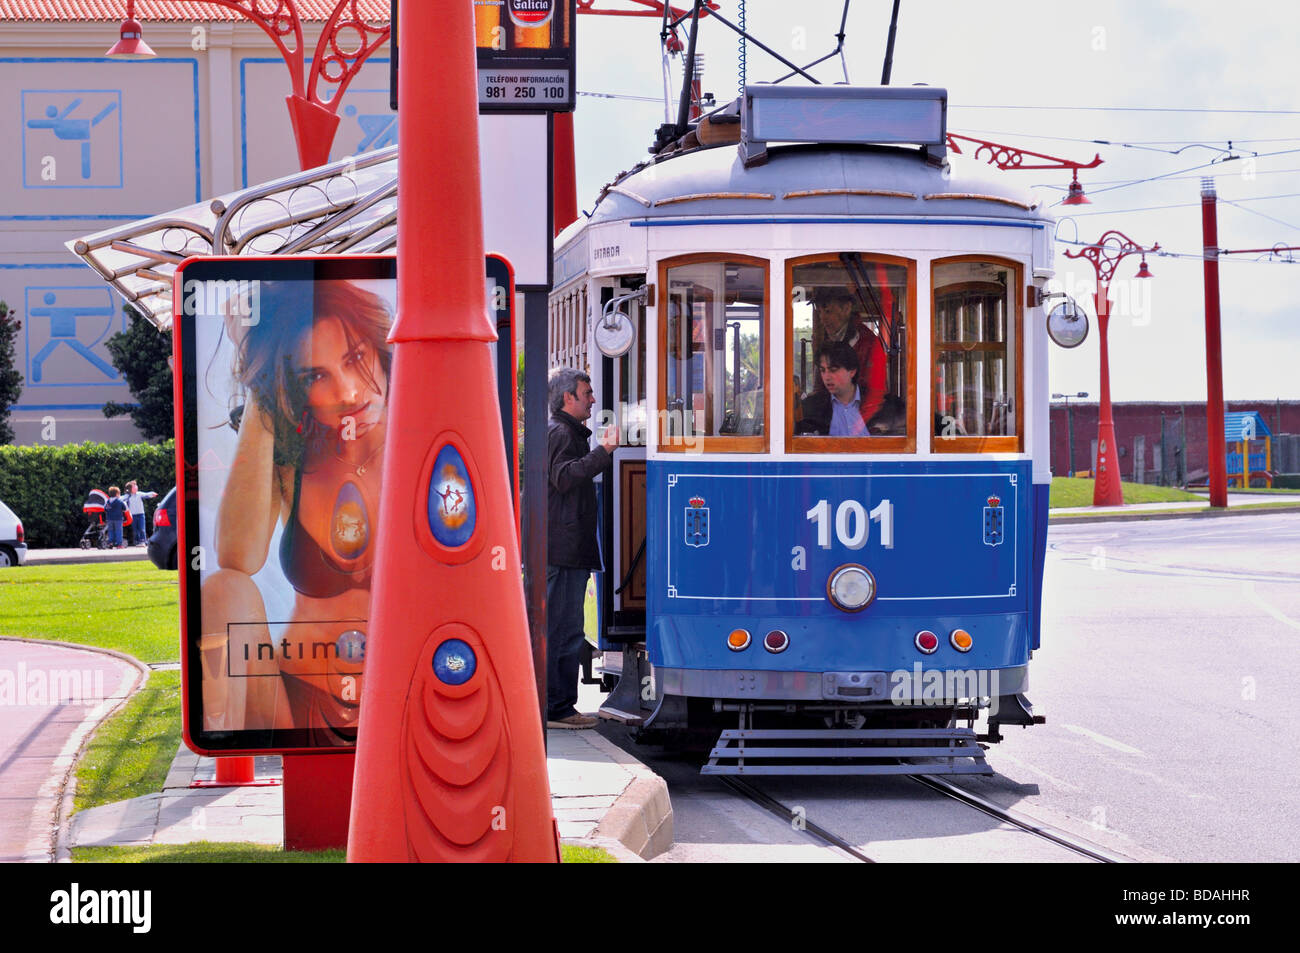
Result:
[1168,84]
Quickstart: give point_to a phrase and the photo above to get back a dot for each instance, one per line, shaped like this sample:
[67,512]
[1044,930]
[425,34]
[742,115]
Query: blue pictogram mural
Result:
[377,129]
[64,327]
[72,138]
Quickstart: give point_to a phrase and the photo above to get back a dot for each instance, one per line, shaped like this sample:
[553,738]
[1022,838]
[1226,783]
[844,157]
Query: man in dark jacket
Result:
[573,550]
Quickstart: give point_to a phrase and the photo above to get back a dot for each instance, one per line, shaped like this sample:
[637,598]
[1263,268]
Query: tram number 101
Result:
[852,523]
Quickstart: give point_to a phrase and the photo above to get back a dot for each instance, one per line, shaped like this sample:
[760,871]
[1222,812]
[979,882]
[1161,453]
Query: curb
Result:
[60,850]
[132,554]
[1207,513]
[641,819]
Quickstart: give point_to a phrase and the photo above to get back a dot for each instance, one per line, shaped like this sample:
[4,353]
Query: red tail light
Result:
[160,518]
[20,532]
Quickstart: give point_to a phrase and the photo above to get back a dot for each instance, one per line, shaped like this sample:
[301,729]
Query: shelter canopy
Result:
[346,207]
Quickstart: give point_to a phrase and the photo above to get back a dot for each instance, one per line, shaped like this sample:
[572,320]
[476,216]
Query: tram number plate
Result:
[498,87]
[852,523]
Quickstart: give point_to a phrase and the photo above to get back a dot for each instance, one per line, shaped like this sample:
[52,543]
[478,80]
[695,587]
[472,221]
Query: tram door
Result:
[623,542]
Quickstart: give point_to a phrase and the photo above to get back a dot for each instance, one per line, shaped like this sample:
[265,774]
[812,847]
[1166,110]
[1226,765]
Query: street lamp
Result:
[131,46]
[1104,255]
[344,45]
[1069,417]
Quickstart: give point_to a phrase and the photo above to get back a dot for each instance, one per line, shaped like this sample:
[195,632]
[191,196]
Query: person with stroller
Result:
[114,513]
[134,500]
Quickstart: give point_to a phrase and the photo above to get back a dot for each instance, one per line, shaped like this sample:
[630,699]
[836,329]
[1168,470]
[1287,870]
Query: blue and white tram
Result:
[842,600]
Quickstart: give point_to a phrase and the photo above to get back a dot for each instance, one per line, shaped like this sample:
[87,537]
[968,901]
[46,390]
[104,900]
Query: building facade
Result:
[1164,442]
[100,142]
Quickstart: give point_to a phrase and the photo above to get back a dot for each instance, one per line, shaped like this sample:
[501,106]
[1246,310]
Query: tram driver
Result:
[834,321]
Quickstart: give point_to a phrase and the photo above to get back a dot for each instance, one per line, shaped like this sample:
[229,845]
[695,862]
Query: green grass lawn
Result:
[131,607]
[1262,490]
[203,852]
[131,752]
[206,852]
[1077,491]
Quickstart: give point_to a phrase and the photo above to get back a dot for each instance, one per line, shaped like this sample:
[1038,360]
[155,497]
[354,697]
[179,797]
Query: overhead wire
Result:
[1120,109]
[1194,256]
[1161,208]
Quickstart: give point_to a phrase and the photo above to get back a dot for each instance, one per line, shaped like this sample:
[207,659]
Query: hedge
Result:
[45,486]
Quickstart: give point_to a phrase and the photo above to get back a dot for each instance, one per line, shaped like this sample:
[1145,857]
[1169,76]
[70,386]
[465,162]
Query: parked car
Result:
[13,549]
[162,542]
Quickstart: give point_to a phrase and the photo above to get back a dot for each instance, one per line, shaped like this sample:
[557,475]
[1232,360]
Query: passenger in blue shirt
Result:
[114,514]
[836,410]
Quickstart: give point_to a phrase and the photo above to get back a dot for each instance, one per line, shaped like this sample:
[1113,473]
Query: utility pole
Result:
[1213,349]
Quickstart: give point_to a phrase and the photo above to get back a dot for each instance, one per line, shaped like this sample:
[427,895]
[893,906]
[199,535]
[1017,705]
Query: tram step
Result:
[625,634]
[775,751]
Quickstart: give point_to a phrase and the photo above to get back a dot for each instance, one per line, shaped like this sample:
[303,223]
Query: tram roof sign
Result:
[861,115]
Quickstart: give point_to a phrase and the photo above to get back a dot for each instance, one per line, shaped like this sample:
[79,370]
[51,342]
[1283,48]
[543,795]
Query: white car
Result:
[13,551]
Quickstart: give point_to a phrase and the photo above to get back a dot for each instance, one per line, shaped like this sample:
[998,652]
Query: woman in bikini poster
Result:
[291,421]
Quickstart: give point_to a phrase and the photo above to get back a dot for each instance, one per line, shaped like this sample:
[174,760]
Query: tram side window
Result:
[631,381]
[848,326]
[713,368]
[976,359]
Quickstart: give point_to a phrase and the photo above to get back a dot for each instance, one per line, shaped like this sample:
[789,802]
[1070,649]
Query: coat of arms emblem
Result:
[993,520]
[697,522]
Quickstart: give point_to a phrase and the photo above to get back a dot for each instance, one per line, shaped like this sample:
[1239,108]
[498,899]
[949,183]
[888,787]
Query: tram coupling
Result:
[1011,710]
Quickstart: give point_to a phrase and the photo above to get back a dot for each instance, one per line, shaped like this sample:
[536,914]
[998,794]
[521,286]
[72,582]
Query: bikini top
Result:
[311,570]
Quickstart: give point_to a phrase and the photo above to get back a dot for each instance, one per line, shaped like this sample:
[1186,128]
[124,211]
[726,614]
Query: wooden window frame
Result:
[967,444]
[714,444]
[881,444]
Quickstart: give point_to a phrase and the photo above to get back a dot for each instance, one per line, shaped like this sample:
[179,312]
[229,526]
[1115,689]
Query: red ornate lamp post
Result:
[344,45]
[1104,256]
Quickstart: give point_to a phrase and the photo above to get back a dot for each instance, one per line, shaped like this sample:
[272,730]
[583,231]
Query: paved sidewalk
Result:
[1239,504]
[601,796]
[40,557]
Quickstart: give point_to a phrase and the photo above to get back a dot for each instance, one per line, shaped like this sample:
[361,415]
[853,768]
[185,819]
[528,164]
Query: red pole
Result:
[1216,446]
[450,759]
[565,188]
[1106,490]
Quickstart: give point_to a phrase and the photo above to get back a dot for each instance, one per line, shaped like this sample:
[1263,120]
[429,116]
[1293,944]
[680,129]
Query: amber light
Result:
[961,640]
[927,641]
[738,639]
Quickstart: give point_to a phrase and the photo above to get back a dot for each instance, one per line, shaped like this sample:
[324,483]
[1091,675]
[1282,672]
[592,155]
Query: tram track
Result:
[939,786]
[773,806]
[1038,829]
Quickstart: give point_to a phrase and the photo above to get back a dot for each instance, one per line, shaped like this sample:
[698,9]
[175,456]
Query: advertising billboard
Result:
[282,418]
[525,55]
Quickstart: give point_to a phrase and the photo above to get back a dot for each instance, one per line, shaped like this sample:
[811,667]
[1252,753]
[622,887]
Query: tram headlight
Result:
[851,588]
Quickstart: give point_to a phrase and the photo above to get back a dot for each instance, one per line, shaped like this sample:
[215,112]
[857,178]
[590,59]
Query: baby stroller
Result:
[96,534]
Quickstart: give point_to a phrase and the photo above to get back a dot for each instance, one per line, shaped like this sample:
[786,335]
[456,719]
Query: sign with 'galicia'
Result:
[531,12]
[525,55]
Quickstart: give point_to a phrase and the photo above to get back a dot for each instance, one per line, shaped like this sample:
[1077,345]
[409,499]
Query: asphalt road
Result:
[1168,653]
[1166,675]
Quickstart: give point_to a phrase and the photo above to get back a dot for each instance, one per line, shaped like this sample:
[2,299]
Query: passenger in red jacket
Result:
[833,320]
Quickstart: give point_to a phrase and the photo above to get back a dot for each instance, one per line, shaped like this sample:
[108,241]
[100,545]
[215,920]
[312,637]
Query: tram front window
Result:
[848,350]
[713,366]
